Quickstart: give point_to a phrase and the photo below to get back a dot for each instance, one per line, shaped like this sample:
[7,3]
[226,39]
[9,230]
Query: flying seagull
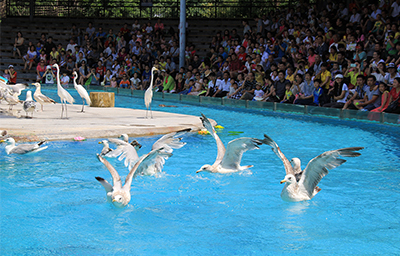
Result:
[228,160]
[300,184]
[120,195]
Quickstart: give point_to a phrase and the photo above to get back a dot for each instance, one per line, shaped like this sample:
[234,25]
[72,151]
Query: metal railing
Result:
[141,8]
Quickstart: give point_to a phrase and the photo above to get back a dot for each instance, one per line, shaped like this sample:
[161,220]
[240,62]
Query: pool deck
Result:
[94,123]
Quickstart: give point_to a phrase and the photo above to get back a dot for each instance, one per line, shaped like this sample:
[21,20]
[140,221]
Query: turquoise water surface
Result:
[51,204]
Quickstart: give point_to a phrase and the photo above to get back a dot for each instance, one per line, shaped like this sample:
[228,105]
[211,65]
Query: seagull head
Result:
[296,163]
[119,201]
[36,84]
[289,179]
[8,141]
[205,168]
[124,137]
[104,142]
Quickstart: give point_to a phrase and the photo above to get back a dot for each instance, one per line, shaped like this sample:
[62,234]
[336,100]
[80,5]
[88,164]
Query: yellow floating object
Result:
[219,127]
[203,132]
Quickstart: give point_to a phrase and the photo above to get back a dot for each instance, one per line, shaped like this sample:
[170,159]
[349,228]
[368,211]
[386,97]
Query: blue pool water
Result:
[51,203]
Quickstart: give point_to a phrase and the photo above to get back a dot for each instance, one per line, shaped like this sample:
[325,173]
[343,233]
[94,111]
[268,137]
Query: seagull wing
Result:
[107,186]
[220,145]
[153,164]
[146,160]
[170,141]
[27,148]
[17,88]
[288,167]
[43,98]
[116,178]
[318,167]
[124,151]
[235,150]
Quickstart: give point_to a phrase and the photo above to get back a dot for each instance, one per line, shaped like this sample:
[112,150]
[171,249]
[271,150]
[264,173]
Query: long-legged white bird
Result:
[228,160]
[29,105]
[40,97]
[11,99]
[82,92]
[120,195]
[63,94]
[11,148]
[301,185]
[148,95]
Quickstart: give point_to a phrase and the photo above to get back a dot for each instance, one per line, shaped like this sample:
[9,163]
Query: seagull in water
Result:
[228,160]
[82,92]
[11,148]
[29,105]
[300,184]
[148,95]
[40,97]
[120,195]
[126,150]
[63,94]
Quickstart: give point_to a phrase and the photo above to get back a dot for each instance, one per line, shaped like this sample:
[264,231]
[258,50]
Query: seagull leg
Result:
[147,110]
[151,112]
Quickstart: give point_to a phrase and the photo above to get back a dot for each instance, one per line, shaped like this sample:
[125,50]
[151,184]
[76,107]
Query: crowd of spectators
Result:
[338,55]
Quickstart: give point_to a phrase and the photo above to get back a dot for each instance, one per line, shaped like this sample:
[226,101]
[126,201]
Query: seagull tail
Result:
[41,143]
[245,167]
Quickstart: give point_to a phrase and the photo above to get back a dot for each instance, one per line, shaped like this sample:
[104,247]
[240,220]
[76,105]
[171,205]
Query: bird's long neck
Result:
[75,84]
[58,77]
[151,81]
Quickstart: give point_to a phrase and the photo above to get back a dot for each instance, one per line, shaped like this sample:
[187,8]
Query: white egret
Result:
[300,184]
[228,160]
[40,97]
[148,95]
[63,94]
[82,92]
[29,105]
[11,148]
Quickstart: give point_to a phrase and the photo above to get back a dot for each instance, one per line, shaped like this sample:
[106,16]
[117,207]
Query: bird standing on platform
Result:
[29,105]
[40,97]
[63,94]
[82,92]
[148,95]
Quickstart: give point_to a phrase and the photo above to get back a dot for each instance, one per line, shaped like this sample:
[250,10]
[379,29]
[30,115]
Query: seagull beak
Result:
[199,171]
[283,181]
[1,141]
[114,200]
[100,142]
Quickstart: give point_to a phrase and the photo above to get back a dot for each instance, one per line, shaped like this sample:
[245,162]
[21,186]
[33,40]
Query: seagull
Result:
[148,95]
[128,151]
[63,94]
[11,148]
[106,148]
[29,105]
[40,97]
[82,92]
[14,89]
[228,160]
[120,195]
[11,99]
[300,184]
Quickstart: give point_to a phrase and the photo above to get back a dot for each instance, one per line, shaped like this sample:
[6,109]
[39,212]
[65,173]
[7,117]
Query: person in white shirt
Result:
[65,80]
[395,8]
[355,17]
[223,86]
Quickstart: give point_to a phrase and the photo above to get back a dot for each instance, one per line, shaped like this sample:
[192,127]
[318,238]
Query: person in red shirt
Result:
[125,32]
[394,94]
[125,83]
[13,74]
[101,70]
[235,66]
[242,54]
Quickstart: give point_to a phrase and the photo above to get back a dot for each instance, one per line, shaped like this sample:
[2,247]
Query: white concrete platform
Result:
[93,123]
